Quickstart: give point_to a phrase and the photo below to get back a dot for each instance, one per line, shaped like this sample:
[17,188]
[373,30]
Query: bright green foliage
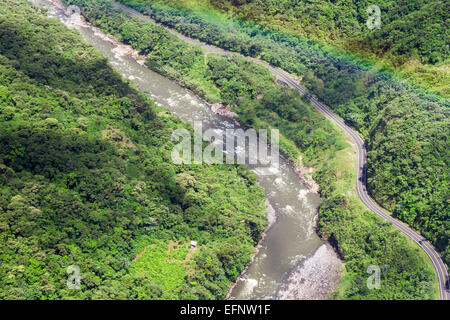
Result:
[413,38]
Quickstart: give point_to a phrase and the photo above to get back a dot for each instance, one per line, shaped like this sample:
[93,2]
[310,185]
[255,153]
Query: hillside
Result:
[86,179]
[412,39]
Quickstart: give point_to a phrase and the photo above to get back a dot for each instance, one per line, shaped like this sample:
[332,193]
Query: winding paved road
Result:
[361,181]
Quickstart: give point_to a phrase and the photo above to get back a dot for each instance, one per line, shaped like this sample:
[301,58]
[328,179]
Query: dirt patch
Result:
[305,174]
[140,254]
[118,138]
[173,245]
[224,110]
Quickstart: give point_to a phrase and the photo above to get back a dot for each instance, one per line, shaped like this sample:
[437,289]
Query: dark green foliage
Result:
[409,28]
[364,241]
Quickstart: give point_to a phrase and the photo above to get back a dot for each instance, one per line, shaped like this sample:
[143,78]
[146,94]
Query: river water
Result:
[292,261]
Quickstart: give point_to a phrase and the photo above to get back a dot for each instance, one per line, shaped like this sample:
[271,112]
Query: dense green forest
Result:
[410,29]
[86,179]
[405,127]
[360,237]
[413,38]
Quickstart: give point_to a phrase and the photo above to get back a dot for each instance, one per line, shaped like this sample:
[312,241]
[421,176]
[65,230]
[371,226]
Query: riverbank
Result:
[272,218]
[307,281]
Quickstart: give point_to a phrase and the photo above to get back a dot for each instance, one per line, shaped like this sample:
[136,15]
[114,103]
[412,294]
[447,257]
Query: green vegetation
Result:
[167,269]
[405,128]
[361,237]
[411,30]
[413,38]
[86,179]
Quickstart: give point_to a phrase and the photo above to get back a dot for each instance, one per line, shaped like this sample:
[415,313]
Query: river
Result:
[292,261]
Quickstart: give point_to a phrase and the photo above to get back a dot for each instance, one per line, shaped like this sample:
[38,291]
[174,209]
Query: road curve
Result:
[361,180]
